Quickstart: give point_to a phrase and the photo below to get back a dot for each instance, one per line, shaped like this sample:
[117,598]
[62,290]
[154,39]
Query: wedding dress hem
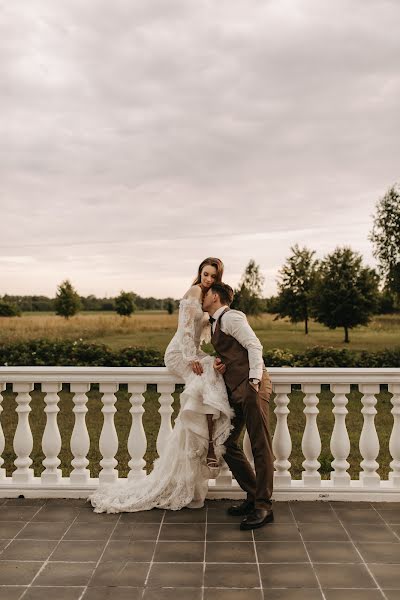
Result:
[180,475]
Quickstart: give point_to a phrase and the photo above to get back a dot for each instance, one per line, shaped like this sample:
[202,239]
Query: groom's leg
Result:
[256,416]
[236,459]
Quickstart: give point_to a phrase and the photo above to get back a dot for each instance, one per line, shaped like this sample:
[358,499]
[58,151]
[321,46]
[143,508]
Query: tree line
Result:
[16,305]
[337,291]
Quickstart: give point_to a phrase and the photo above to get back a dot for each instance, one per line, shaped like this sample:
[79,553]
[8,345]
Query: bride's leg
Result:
[211,451]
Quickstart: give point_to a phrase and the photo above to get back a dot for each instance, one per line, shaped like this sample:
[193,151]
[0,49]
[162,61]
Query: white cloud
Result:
[138,138]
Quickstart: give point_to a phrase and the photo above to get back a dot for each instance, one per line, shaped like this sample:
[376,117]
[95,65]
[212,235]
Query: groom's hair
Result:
[224,291]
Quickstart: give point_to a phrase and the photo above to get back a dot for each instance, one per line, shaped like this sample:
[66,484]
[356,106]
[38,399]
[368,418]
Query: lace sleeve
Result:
[205,337]
[188,310]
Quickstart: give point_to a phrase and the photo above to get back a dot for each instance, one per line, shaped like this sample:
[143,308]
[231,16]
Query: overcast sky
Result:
[138,137]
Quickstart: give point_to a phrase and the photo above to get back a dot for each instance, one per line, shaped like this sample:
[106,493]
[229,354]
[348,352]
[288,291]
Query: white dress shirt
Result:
[235,323]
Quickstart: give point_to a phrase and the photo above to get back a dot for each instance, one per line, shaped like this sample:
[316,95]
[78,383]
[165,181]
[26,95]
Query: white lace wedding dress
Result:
[180,475]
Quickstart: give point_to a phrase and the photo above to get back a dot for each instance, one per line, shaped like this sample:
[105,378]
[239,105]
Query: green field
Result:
[155,329]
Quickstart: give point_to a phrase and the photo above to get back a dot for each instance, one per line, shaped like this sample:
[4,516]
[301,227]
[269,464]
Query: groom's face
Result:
[208,300]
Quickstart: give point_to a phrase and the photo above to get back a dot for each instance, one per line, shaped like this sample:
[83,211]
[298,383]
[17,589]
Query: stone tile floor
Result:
[60,549]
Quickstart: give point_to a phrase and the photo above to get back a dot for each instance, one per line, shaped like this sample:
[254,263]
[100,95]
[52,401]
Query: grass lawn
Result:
[151,420]
[155,329]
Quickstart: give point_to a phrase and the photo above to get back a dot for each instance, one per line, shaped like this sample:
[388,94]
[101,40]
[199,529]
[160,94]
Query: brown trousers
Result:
[252,411]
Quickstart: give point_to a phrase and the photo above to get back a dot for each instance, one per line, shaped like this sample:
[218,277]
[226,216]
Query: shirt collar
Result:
[219,312]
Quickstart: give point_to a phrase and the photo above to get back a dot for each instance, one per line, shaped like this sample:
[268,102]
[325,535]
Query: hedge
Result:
[43,352]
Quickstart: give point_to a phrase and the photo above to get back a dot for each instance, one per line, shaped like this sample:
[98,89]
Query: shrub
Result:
[319,356]
[278,358]
[7,309]
[43,352]
[66,353]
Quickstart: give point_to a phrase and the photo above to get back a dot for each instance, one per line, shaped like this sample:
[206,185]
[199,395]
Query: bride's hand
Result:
[219,366]
[196,366]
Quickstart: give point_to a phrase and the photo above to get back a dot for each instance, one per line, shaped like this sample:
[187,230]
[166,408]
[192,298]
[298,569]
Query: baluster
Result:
[2,439]
[80,441]
[282,442]
[23,440]
[369,442]
[340,442]
[165,411]
[108,442]
[225,476]
[137,441]
[311,442]
[51,440]
[248,452]
[394,442]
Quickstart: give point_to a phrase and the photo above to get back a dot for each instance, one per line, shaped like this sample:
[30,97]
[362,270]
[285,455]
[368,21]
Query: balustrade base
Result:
[356,491]
[22,478]
[395,479]
[340,480]
[79,478]
[52,477]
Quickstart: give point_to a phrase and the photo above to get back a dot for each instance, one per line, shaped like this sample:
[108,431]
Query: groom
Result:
[249,388]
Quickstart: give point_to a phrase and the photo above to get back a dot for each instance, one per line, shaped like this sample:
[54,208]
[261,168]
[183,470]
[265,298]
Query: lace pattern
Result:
[188,315]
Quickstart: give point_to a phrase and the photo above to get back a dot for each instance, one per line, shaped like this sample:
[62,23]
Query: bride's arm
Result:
[188,347]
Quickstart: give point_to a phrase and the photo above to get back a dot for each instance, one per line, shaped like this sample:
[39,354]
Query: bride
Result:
[196,444]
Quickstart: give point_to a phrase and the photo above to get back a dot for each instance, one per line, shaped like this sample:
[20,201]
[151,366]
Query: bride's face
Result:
[208,276]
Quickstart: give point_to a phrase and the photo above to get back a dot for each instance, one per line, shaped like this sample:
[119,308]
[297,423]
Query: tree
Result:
[385,236]
[297,279]
[67,302]
[247,296]
[170,306]
[345,293]
[125,304]
[386,303]
[271,305]
[8,309]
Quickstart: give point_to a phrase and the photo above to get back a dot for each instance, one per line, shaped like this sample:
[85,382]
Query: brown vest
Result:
[232,354]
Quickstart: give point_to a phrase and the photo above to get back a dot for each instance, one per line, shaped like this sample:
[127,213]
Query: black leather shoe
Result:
[239,510]
[258,518]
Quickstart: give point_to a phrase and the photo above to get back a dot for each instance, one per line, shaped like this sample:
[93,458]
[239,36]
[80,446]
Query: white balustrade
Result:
[340,486]
[2,438]
[224,477]
[394,442]
[311,442]
[165,410]
[80,441]
[340,441]
[51,441]
[137,441]
[108,443]
[23,439]
[369,441]
[282,442]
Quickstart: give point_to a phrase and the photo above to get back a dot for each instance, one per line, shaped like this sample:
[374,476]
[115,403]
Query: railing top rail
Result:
[279,375]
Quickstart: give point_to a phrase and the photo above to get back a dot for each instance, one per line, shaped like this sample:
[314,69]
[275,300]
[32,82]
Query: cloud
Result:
[138,138]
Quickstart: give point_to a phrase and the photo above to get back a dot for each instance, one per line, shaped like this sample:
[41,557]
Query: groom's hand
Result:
[219,366]
[196,367]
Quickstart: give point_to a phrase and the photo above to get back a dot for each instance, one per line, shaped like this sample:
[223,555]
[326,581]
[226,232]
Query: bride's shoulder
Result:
[193,292]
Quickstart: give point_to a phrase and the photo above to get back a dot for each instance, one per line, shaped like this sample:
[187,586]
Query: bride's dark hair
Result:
[213,262]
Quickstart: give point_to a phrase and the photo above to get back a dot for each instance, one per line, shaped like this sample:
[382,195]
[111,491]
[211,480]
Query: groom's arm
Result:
[235,324]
